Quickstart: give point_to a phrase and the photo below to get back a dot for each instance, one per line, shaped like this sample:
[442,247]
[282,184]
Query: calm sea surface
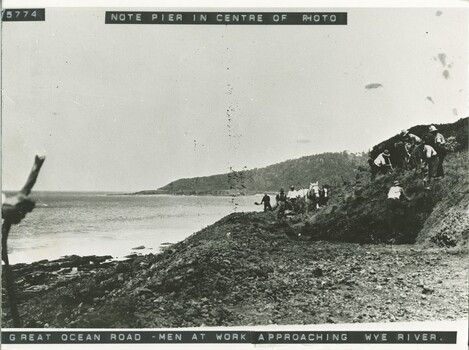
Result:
[65,223]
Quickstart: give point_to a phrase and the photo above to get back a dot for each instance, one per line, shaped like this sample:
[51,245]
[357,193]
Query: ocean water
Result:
[65,223]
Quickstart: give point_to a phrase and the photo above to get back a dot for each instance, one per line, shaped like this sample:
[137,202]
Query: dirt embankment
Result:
[437,216]
[248,269]
[448,223]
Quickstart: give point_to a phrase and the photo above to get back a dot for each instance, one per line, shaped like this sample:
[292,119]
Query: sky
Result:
[134,107]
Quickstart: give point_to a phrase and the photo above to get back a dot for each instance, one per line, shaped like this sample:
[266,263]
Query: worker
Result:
[412,142]
[266,201]
[395,206]
[430,159]
[381,164]
[281,199]
[439,144]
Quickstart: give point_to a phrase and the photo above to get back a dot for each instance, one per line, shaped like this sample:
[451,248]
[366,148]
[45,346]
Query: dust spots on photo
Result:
[438,13]
[455,112]
[236,179]
[442,58]
[373,86]
[237,183]
[429,98]
[444,62]
[234,136]
[303,141]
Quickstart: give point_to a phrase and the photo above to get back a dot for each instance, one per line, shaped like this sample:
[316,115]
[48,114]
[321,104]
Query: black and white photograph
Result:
[235,167]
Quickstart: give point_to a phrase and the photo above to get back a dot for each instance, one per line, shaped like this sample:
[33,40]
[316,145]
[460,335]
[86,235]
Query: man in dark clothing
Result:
[412,143]
[281,199]
[266,201]
[439,144]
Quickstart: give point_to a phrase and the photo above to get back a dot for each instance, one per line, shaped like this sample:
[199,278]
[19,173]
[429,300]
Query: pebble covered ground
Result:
[246,269]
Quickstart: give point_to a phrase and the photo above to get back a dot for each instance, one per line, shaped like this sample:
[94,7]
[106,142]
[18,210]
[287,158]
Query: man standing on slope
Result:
[281,202]
[394,205]
[439,144]
[412,142]
[382,163]
[266,201]
[430,158]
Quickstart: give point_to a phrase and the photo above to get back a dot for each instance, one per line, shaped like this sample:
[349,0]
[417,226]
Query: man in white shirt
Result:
[394,205]
[292,194]
[396,192]
[430,158]
[382,163]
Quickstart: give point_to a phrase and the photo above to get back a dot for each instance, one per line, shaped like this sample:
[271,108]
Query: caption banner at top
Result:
[227,18]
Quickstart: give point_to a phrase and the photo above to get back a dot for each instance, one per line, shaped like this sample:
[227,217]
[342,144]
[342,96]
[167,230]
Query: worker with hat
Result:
[397,192]
[281,199]
[439,144]
[431,160]
[413,145]
[394,205]
[382,164]
[410,138]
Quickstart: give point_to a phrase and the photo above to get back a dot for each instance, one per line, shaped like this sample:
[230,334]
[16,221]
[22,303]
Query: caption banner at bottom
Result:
[211,337]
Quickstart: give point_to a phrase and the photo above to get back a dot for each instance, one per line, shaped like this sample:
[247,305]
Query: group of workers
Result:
[282,200]
[427,153]
[290,200]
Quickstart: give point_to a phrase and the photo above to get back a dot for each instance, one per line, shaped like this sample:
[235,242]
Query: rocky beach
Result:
[246,269]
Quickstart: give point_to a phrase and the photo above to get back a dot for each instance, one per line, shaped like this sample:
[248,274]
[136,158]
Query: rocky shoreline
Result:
[246,269]
[43,275]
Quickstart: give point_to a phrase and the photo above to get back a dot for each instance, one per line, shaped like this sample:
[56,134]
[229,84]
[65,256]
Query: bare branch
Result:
[26,190]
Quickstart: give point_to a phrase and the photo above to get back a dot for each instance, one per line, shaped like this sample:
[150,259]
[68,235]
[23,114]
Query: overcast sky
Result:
[133,107]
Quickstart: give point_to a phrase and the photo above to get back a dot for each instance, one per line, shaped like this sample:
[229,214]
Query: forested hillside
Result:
[327,168]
